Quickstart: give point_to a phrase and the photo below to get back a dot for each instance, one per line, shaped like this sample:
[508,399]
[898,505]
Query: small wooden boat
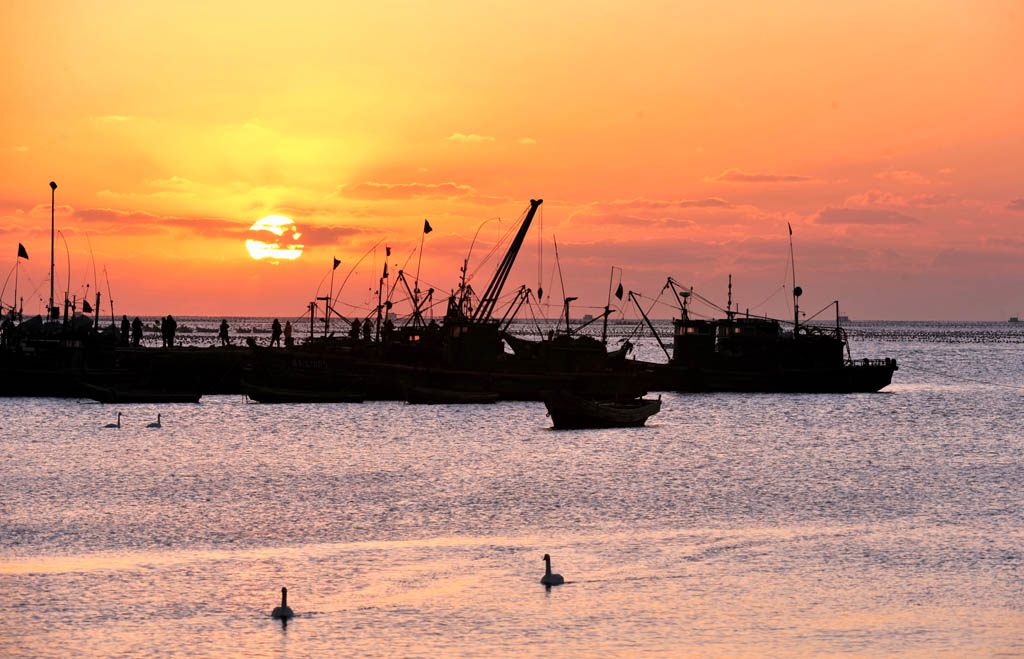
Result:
[138,394]
[266,394]
[570,411]
[434,396]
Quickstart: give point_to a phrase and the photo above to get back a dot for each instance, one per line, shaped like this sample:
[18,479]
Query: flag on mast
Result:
[22,254]
[790,228]
[618,291]
[426,227]
[336,263]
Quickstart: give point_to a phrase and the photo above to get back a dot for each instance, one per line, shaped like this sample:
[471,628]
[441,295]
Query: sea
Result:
[732,524]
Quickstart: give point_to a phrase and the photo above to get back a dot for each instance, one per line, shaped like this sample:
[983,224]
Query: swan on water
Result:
[115,425]
[283,612]
[550,579]
[155,424]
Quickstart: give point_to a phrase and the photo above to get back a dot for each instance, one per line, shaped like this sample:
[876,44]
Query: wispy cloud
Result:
[471,137]
[740,176]
[113,118]
[19,148]
[1016,205]
[414,190]
[655,204]
[903,176]
[526,140]
[832,215]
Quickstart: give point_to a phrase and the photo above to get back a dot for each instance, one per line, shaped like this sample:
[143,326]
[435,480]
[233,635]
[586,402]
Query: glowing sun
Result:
[282,246]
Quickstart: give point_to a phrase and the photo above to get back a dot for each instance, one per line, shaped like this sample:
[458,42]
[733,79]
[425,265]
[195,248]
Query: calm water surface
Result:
[734,524]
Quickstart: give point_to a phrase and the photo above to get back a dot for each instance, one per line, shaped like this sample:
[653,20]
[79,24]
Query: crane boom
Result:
[490,297]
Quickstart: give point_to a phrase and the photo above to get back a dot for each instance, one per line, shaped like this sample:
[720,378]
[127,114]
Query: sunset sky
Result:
[667,138]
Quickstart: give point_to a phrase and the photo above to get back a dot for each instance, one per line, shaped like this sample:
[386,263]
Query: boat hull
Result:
[128,396]
[573,412]
[850,378]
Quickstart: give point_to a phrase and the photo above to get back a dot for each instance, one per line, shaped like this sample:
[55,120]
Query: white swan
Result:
[283,612]
[115,425]
[155,424]
[550,579]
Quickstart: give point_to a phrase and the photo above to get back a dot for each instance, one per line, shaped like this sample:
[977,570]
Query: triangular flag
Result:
[426,227]
[387,251]
[618,291]
[790,228]
[22,254]
[86,307]
[336,264]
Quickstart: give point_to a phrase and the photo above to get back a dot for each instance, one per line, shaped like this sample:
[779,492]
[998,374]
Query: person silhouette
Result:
[126,330]
[354,332]
[367,330]
[163,331]
[275,333]
[225,340]
[136,332]
[172,327]
[288,334]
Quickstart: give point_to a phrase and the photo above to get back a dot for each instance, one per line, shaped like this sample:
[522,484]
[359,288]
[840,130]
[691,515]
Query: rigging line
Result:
[67,252]
[353,269]
[781,287]
[501,241]
[830,304]
[957,377]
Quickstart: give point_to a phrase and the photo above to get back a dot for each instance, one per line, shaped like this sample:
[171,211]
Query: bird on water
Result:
[283,612]
[115,425]
[550,579]
[155,424]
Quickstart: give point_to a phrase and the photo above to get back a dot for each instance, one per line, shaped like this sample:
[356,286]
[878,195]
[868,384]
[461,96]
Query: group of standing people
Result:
[131,332]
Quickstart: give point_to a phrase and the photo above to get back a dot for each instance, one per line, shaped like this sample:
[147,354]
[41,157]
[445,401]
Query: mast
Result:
[797,291]
[53,191]
[490,296]
[728,305]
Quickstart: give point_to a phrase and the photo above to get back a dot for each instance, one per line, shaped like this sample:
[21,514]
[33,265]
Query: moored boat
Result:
[137,394]
[415,394]
[569,411]
[277,394]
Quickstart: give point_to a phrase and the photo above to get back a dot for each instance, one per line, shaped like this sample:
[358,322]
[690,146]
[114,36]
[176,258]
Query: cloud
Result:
[654,204]
[602,219]
[739,176]
[377,190]
[113,118]
[1016,205]
[204,226]
[472,137]
[526,140]
[19,148]
[326,236]
[903,176]
[832,215]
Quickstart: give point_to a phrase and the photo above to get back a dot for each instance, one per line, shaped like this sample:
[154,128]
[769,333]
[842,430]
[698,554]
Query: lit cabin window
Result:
[738,329]
[691,330]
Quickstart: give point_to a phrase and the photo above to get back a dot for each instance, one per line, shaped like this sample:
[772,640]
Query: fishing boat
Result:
[277,394]
[747,353]
[121,394]
[420,395]
[570,411]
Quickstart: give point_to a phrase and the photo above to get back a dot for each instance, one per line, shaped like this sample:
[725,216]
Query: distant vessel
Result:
[1014,319]
[843,319]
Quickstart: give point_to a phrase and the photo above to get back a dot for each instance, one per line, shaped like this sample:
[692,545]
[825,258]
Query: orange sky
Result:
[668,138]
